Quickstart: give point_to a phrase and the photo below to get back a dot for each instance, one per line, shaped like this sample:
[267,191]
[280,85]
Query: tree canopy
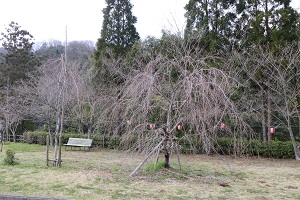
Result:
[118,31]
[244,22]
[19,53]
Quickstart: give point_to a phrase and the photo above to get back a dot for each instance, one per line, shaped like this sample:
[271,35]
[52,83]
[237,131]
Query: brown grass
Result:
[104,174]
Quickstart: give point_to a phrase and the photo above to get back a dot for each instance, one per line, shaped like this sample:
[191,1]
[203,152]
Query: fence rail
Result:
[19,138]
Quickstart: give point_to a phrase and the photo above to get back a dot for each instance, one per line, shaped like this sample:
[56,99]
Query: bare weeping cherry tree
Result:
[180,87]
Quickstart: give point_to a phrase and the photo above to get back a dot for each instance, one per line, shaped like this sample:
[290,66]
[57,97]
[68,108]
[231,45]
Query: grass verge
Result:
[104,174]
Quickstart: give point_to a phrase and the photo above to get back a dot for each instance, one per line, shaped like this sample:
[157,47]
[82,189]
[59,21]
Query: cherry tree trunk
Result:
[167,149]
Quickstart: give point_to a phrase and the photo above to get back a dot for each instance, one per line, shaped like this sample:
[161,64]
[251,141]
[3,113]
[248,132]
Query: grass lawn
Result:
[104,174]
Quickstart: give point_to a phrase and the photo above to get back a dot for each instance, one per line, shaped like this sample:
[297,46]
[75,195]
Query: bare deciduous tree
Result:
[179,87]
[281,71]
[13,115]
[84,107]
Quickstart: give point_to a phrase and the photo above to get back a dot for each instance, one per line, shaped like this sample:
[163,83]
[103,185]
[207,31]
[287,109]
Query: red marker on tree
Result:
[152,126]
[179,127]
[223,125]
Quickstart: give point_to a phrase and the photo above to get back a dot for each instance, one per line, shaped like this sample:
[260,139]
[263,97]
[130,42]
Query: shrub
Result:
[113,142]
[222,145]
[10,157]
[190,145]
[277,149]
[66,136]
[252,147]
[99,141]
[35,137]
[39,137]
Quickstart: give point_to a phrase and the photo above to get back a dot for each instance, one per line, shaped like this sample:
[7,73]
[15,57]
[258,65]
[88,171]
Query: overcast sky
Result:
[46,19]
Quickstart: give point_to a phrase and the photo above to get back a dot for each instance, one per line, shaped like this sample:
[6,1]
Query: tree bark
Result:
[56,136]
[50,134]
[47,150]
[263,122]
[267,28]
[269,118]
[1,142]
[59,151]
[296,149]
[89,131]
[298,123]
[140,147]
[167,145]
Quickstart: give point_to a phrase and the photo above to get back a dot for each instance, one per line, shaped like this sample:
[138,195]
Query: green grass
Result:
[23,147]
[104,174]
[154,167]
[79,186]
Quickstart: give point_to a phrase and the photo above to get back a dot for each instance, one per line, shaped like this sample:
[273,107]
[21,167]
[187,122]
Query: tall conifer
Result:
[118,32]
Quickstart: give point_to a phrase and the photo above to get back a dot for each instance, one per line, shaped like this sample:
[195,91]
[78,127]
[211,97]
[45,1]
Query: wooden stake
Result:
[47,151]
[1,145]
[178,157]
[157,156]
[59,151]
[138,167]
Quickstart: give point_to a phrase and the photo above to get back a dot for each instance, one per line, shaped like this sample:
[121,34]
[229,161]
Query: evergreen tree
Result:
[285,29]
[19,53]
[213,19]
[243,22]
[118,33]
[50,50]
[272,22]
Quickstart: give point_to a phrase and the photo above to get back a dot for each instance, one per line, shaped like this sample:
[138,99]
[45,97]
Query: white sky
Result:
[46,19]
